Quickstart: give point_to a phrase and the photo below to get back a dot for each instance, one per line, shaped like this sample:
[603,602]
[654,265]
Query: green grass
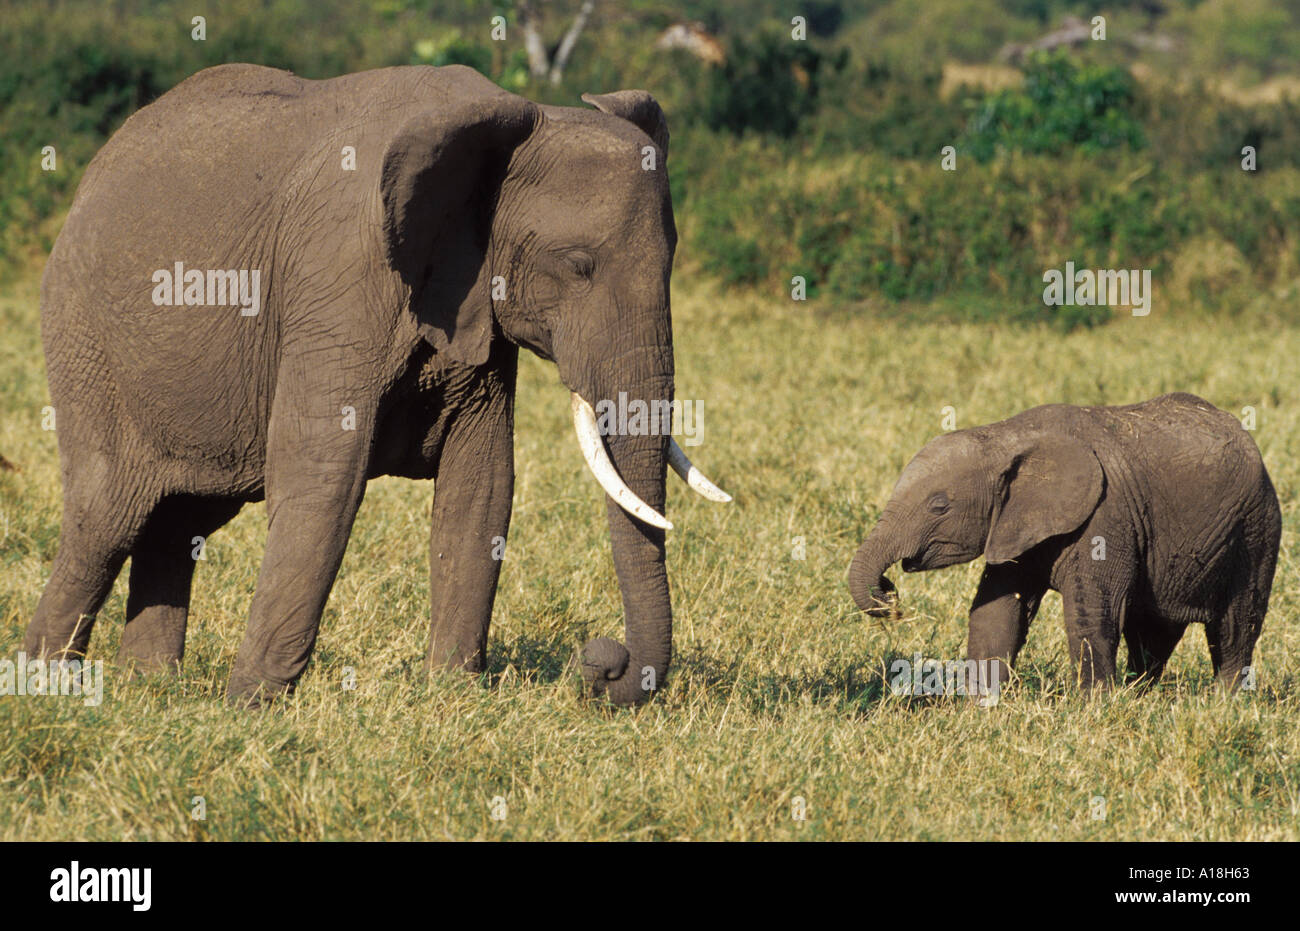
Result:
[776,690]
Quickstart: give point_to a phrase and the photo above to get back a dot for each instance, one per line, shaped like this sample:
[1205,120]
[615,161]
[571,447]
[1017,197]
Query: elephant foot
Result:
[605,668]
[1096,688]
[150,649]
[138,665]
[253,692]
[983,683]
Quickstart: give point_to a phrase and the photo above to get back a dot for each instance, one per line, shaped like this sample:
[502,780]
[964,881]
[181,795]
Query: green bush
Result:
[878,106]
[767,85]
[1063,105]
[873,231]
[453,49]
[1249,39]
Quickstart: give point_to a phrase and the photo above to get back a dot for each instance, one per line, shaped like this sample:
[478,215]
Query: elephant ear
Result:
[1051,487]
[640,109]
[441,176]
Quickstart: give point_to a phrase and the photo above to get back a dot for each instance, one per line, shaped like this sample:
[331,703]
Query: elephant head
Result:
[552,228]
[998,490]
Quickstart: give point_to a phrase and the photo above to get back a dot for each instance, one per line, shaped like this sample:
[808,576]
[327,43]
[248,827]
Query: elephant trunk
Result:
[871,589]
[629,674]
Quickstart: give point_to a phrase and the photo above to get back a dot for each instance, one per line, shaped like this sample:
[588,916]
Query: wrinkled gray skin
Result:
[1174,486]
[376,297]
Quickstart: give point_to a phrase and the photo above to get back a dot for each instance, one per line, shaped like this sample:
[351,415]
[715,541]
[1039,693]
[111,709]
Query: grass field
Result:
[777,691]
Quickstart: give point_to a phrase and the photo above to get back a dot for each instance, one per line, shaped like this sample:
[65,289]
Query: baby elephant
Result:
[1146,518]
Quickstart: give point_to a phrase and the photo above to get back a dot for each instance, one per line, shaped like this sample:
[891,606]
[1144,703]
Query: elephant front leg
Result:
[315,480]
[1005,603]
[304,547]
[471,516]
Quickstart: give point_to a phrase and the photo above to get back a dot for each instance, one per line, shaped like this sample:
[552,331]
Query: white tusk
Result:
[693,476]
[593,450]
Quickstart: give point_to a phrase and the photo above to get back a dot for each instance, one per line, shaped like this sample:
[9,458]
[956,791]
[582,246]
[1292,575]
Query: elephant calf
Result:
[1146,518]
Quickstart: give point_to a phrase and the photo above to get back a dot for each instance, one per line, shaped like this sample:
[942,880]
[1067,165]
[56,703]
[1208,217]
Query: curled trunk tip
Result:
[871,589]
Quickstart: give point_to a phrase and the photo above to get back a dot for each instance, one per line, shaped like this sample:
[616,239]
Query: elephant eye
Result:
[580,263]
[938,503]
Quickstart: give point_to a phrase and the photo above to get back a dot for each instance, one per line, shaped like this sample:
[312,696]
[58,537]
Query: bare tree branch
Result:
[570,40]
[538,63]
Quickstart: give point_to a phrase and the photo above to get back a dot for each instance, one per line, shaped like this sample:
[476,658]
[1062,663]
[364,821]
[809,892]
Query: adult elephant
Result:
[1146,518]
[275,287]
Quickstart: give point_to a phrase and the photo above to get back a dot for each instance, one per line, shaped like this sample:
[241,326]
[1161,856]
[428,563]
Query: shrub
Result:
[1062,105]
[767,85]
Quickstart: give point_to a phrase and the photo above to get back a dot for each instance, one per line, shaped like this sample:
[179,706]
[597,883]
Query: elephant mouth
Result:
[936,554]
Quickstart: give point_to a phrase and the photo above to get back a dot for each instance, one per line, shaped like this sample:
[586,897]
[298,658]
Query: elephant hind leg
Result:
[99,529]
[1151,641]
[1231,638]
[162,569]
[1095,613]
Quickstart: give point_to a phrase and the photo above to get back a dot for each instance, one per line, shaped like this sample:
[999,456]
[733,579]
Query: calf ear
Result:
[638,108]
[442,173]
[1051,487]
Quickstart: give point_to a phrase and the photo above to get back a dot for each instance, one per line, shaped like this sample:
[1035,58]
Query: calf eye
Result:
[938,502]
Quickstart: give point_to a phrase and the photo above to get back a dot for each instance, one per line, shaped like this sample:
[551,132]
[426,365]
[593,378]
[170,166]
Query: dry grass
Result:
[957,75]
[776,691]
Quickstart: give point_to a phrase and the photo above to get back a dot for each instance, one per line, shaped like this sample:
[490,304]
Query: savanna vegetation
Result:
[819,159]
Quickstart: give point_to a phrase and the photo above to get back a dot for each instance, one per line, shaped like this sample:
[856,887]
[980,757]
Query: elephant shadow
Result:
[544,659]
[847,685]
